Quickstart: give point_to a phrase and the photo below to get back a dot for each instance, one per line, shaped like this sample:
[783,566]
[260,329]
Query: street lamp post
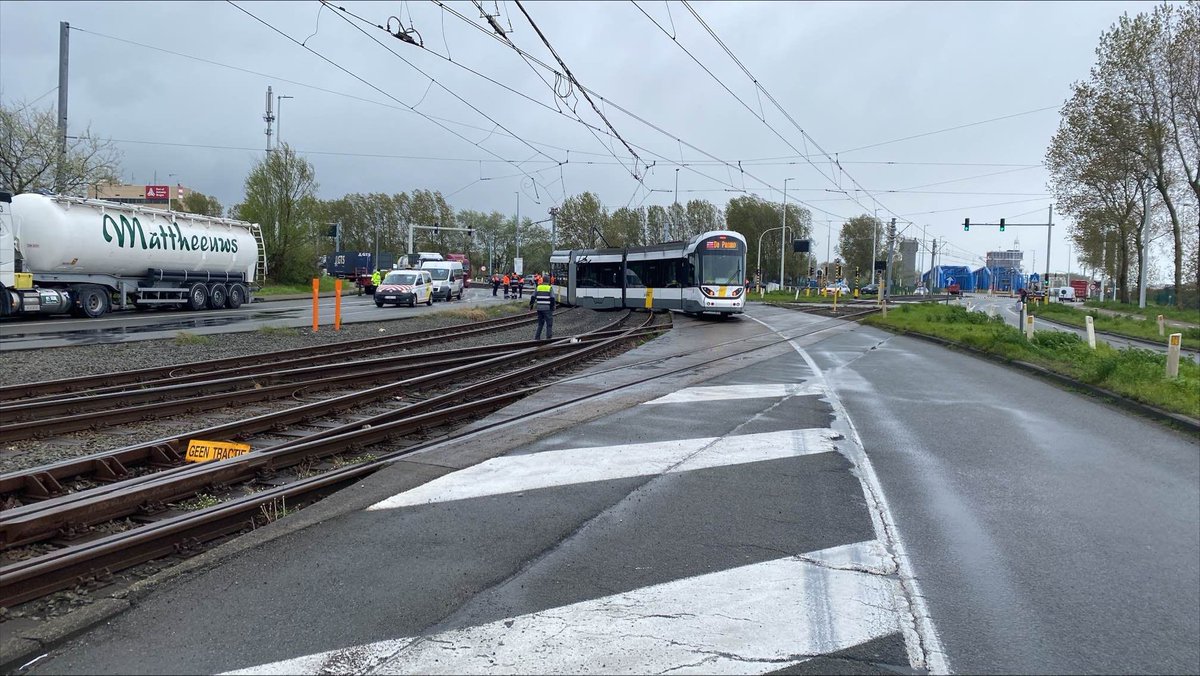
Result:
[169,189]
[517,228]
[279,118]
[758,265]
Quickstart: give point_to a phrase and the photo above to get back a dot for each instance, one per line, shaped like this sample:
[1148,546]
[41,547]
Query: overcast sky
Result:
[850,74]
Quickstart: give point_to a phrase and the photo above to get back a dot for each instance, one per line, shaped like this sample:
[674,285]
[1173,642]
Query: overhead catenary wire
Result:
[948,129]
[362,80]
[574,80]
[729,165]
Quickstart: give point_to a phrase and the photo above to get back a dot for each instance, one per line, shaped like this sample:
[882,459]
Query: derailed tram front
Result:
[719,263]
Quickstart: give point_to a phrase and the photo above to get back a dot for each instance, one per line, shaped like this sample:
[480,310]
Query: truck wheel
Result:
[92,301]
[197,297]
[237,296]
[217,295]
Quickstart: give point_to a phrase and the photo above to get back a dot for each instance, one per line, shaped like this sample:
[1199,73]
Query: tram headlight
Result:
[710,292]
[737,292]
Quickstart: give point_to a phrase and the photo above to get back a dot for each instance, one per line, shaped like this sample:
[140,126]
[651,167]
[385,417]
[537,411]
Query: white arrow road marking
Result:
[763,390]
[746,620]
[515,473]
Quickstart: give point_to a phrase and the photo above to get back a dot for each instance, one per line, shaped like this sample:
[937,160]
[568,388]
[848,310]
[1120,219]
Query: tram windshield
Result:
[721,261]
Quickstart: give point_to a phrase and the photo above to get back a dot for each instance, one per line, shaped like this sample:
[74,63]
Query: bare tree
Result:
[29,153]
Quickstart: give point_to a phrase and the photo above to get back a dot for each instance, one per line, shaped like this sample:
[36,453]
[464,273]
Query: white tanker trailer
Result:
[85,256]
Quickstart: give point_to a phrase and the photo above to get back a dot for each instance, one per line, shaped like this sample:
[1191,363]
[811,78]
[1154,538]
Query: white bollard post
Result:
[797,293]
[1162,326]
[1029,327]
[1091,331]
[1173,345]
[1024,311]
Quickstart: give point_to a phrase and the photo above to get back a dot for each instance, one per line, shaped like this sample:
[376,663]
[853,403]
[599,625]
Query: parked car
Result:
[841,289]
[869,290]
[405,286]
[921,291]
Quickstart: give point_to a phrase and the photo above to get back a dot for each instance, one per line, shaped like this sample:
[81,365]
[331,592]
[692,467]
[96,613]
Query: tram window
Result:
[663,273]
[605,275]
[559,271]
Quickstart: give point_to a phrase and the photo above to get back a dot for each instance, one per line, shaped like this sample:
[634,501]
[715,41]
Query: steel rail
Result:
[76,384]
[31,578]
[44,482]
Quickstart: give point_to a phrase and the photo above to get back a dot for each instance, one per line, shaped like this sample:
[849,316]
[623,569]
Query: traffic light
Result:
[333,230]
[811,272]
[471,233]
[1001,225]
[437,228]
[838,270]
[966,225]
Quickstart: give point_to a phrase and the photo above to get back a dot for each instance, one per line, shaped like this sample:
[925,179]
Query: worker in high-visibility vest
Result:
[506,281]
[543,300]
[376,278]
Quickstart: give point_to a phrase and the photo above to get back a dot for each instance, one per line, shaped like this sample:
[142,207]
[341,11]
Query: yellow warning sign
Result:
[207,451]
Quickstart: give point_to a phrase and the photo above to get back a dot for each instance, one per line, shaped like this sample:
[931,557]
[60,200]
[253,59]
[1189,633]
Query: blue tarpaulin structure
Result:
[941,276]
[999,279]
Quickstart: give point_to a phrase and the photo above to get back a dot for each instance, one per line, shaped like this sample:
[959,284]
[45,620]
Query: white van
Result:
[447,278]
[1064,294]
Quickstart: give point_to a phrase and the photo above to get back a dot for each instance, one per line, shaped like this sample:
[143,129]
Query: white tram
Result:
[703,274]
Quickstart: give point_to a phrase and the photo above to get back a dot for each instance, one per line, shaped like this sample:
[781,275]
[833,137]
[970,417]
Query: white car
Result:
[921,291]
[405,286]
[840,289]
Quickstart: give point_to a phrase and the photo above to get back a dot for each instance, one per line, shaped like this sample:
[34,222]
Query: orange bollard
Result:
[337,305]
[316,289]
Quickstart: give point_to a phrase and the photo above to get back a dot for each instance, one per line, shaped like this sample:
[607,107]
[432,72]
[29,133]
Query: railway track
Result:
[248,364]
[44,512]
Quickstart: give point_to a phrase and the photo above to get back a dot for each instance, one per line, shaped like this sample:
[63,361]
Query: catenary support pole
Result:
[64,43]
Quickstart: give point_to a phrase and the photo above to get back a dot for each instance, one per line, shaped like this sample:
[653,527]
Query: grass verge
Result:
[1150,311]
[1145,329]
[285,289]
[1137,374]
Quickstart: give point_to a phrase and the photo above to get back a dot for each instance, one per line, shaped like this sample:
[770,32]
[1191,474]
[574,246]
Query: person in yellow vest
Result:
[376,278]
[544,301]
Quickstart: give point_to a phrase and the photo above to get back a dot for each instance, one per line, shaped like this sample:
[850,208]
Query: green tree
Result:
[627,227]
[580,218]
[199,203]
[29,153]
[859,237]
[759,220]
[281,198]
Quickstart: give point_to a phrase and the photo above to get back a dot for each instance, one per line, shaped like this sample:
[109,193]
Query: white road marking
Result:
[515,473]
[921,638]
[720,392]
[745,620]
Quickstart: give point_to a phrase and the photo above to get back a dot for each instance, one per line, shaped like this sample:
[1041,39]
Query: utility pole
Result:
[517,229]
[782,232]
[874,244]
[553,228]
[1049,227]
[269,117]
[64,43]
[891,249]
[933,264]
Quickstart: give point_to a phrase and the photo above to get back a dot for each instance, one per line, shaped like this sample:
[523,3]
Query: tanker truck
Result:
[84,256]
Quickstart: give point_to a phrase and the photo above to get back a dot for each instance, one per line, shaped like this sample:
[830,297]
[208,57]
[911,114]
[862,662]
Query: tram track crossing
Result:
[76,563]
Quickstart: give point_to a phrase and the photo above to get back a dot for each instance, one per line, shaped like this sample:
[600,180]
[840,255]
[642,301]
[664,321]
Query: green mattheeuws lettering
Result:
[129,232]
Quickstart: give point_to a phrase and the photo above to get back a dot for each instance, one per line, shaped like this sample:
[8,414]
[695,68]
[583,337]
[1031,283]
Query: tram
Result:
[705,274]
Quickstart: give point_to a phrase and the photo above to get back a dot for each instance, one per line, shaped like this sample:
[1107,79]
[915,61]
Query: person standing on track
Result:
[543,300]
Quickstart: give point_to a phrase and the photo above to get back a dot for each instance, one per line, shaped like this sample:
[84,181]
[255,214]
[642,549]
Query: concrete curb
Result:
[1143,341]
[1174,419]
